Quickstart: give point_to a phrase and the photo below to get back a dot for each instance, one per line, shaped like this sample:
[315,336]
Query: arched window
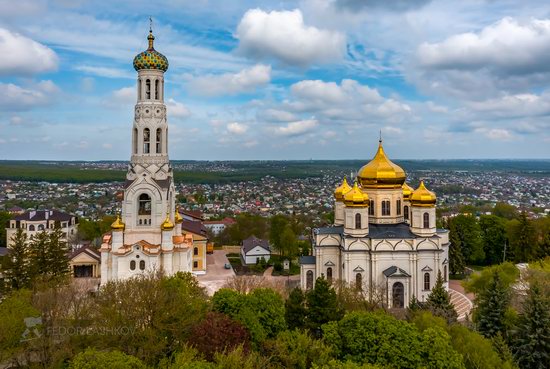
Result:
[359,282]
[398,207]
[357,221]
[386,207]
[146,140]
[41,227]
[196,251]
[329,275]
[159,136]
[156,89]
[148,89]
[426,281]
[426,220]
[195,264]
[309,280]
[398,295]
[371,207]
[406,212]
[142,265]
[445,273]
[135,145]
[31,228]
[144,204]
[133,265]
[139,89]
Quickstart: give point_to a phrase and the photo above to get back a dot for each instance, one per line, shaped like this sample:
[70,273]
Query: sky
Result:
[292,80]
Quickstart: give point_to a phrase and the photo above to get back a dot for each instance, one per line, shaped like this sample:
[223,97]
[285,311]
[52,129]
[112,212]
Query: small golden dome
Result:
[177,216]
[118,224]
[381,172]
[423,197]
[407,191]
[356,197]
[342,190]
[167,225]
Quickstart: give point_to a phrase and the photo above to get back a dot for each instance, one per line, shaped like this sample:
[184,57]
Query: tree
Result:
[505,211]
[4,218]
[493,233]
[278,224]
[456,258]
[295,309]
[322,306]
[477,283]
[523,243]
[39,255]
[439,301]
[16,263]
[491,306]
[531,340]
[218,333]
[57,254]
[468,232]
[288,246]
[93,359]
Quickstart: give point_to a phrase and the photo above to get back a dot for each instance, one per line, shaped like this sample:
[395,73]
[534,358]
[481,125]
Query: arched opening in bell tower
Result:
[134,143]
[146,140]
[144,210]
[156,89]
[159,140]
[148,89]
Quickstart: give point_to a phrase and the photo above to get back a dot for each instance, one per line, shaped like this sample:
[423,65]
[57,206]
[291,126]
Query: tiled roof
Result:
[308,259]
[38,215]
[252,242]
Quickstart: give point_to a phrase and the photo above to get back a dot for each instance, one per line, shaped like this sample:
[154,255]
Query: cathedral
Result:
[148,233]
[384,240]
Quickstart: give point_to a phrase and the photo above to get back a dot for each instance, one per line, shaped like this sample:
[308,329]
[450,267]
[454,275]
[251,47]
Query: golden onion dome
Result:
[423,197]
[342,190]
[167,225]
[356,197]
[381,172]
[118,224]
[407,191]
[177,216]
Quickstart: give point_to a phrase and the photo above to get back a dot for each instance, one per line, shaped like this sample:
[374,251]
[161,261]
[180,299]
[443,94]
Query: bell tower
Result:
[149,188]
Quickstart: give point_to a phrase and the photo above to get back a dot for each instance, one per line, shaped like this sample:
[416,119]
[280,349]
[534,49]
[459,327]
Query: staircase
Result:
[462,304]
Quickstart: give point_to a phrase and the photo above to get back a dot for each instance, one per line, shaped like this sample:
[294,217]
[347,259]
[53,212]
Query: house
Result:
[191,215]
[85,262]
[254,249]
[197,231]
[217,226]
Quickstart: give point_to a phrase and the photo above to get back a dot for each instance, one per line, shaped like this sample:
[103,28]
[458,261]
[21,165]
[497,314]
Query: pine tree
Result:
[524,245]
[57,254]
[39,256]
[439,301]
[456,258]
[531,341]
[295,309]
[16,265]
[322,306]
[492,304]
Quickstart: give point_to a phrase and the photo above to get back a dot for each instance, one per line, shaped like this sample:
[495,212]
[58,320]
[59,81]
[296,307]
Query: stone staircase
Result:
[462,304]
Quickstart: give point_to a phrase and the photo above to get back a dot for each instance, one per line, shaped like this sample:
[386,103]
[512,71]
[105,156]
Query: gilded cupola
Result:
[356,197]
[407,191]
[118,224]
[167,225]
[381,172]
[423,197]
[177,216]
[150,58]
[342,190]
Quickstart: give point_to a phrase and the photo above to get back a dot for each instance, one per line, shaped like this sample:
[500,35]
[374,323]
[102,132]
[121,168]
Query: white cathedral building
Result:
[384,237]
[148,234]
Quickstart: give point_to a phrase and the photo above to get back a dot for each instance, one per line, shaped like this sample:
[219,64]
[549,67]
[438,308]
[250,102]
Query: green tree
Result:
[289,246]
[477,283]
[531,340]
[93,359]
[506,211]
[439,301]
[469,233]
[456,258]
[57,254]
[39,255]
[322,306]
[16,263]
[523,243]
[491,307]
[4,219]
[493,233]
[295,309]
[277,226]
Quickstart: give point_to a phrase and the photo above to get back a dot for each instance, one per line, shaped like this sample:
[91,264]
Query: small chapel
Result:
[147,235]
[384,239]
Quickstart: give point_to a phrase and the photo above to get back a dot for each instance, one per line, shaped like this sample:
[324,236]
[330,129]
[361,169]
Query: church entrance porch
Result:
[398,293]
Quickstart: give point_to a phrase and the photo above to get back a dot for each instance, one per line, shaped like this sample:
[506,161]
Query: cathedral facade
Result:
[148,233]
[384,240]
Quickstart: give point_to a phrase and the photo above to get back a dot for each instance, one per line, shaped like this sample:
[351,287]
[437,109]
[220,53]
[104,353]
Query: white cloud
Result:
[247,80]
[125,95]
[296,128]
[497,134]
[16,120]
[237,128]
[284,36]
[23,56]
[107,72]
[14,97]
[176,109]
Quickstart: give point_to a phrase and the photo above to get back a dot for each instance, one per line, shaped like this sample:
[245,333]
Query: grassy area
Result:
[233,255]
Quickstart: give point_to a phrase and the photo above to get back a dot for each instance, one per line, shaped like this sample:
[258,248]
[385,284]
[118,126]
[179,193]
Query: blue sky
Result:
[311,79]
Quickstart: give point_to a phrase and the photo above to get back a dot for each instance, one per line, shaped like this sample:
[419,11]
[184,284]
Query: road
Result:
[216,275]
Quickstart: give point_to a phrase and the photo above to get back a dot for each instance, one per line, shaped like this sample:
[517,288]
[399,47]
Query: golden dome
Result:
[356,197]
[177,216]
[118,225]
[167,225]
[381,172]
[423,197]
[407,191]
[341,190]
